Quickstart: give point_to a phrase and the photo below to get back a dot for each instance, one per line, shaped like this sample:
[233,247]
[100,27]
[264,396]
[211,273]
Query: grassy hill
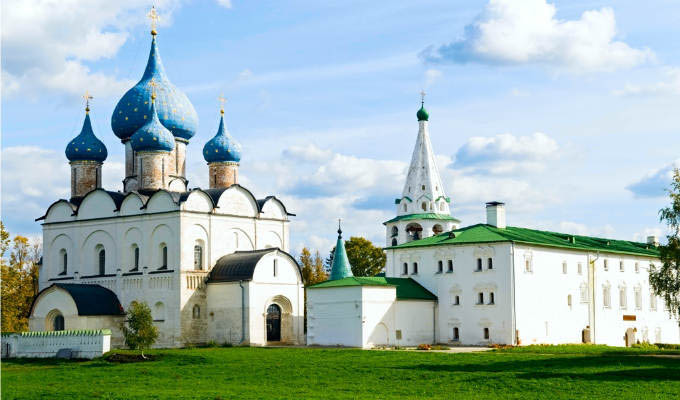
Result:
[225,373]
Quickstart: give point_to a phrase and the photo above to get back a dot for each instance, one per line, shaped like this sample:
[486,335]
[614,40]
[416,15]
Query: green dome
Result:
[422,114]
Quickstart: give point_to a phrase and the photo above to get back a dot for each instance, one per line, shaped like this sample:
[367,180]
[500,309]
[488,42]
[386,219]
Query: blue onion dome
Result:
[222,147]
[153,136]
[86,146]
[422,113]
[174,109]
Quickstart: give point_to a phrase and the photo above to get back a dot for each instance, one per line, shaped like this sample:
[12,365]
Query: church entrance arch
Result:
[273,323]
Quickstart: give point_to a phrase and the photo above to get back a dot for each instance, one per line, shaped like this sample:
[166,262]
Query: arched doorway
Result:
[58,324]
[273,323]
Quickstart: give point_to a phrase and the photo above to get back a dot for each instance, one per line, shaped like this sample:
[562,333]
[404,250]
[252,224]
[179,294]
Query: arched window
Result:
[486,334]
[456,300]
[136,257]
[580,268]
[621,266]
[440,266]
[450,266]
[456,336]
[479,264]
[58,323]
[584,292]
[395,231]
[164,256]
[405,271]
[198,257]
[196,312]
[394,242]
[415,268]
[480,298]
[492,299]
[652,301]
[623,298]
[489,263]
[638,298]
[276,267]
[441,206]
[64,262]
[102,262]
[423,205]
[404,206]
[437,229]
[606,297]
[564,267]
[569,300]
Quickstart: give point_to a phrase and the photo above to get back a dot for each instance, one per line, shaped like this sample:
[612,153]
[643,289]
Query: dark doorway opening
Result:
[274,323]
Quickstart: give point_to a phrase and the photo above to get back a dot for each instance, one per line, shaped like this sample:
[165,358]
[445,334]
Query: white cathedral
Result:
[213,264]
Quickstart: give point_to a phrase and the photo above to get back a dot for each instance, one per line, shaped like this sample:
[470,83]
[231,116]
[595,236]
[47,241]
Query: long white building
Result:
[491,283]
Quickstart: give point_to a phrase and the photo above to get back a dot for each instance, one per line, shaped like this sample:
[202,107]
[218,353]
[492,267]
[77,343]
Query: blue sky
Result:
[565,110]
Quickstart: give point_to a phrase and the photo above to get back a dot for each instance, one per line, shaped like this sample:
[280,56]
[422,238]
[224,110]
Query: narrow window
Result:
[440,266]
[58,324]
[606,265]
[652,302]
[606,298]
[450,266]
[480,298]
[196,312]
[637,268]
[456,336]
[236,240]
[584,293]
[102,262]
[623,298]
[164,257]
[580,268]
[621,268]
[64,262]
[527,265]
[489,263]
[422,187]
[456,300]
[405,272]
[276,265]
[569,301]
[638,299]
[492,299]
[136,255]
[486,334]
[404,206]
[479,264]
[415,268]
[198,257]
[564,267]
[394,242]
[424,206]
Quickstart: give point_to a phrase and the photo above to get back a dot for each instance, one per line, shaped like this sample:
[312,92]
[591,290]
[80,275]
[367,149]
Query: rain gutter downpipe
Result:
[243,312]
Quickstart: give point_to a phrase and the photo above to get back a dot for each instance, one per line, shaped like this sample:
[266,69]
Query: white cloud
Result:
[224,3]
[506,153]
[526,31]
[34,177]
[431,76]
[47,45]
[668,86]
[655,182]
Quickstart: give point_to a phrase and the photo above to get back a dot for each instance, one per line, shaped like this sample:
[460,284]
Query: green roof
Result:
[482,233]
[407,288]
[409,217]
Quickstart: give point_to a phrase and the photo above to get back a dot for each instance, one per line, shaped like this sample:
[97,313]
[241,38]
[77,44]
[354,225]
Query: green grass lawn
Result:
[225,373]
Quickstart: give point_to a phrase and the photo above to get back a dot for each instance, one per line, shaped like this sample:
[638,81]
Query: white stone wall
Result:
[235,225]
[377,315]
[465,282]
[83,344]
[416,321]
[334,316]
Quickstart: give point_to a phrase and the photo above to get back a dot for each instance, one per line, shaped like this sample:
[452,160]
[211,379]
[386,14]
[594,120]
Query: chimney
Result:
[653,240]
[495,214]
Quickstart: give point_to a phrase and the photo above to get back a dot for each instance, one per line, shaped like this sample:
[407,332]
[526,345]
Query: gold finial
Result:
[153,85]
[222,101]
[87,98]
[153,16]
[422,97]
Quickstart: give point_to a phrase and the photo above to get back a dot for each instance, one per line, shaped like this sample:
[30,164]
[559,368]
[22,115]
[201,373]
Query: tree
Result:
[665,280]
[19,279]
[140,333]
[307,268]
[365,258]
[320,274]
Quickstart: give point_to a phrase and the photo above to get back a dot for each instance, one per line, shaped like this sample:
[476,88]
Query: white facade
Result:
[159,250]
[540,294]
[367,316]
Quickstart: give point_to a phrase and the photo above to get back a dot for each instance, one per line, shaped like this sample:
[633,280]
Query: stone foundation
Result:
[222,174]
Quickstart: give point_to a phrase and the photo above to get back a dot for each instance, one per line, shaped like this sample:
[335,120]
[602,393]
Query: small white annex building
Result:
[212,264]
[489,283]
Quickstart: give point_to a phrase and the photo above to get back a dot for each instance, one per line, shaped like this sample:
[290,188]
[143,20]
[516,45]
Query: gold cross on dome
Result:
[153,16]
[87,98]
[222,100]
[422,96]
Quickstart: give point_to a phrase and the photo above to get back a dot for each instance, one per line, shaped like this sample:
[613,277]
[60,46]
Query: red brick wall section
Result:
[222,175]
